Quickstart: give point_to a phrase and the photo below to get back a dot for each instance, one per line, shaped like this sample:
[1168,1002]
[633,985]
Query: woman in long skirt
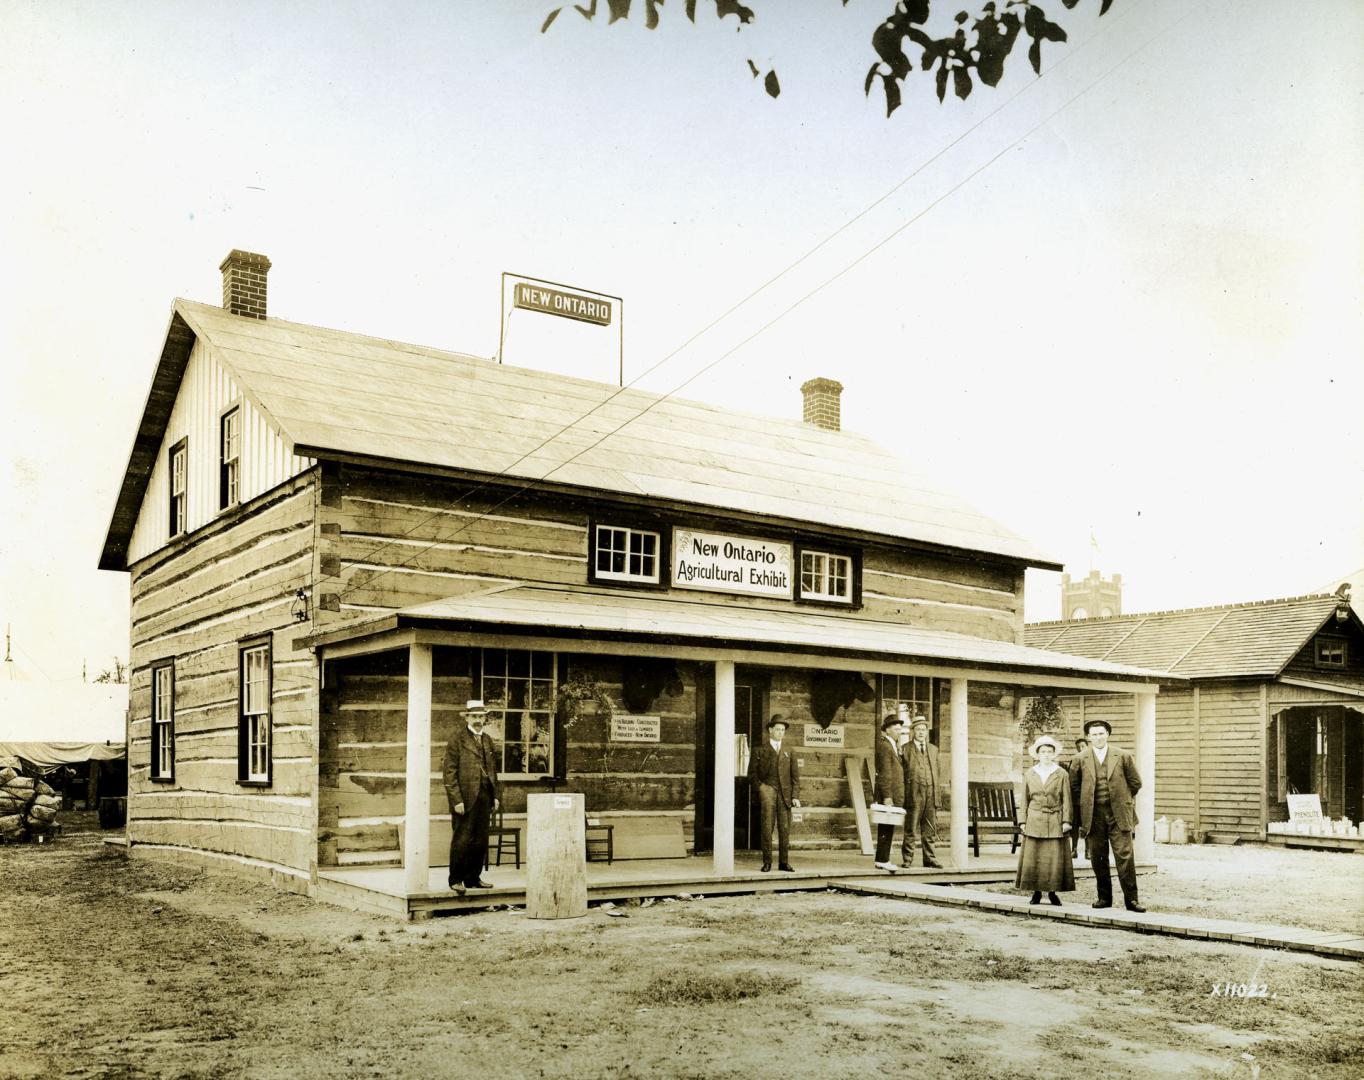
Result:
[1044,864]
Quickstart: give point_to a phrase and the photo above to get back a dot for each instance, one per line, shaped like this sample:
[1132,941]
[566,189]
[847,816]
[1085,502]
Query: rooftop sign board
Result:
[714,562]
[590,309]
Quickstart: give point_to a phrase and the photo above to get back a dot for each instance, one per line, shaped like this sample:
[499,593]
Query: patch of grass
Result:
[683,987]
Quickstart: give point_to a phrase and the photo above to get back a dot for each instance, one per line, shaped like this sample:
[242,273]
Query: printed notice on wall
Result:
[824,736]
[635,728]
[735,564]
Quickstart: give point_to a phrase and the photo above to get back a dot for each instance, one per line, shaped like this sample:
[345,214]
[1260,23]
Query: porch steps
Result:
[1322,942]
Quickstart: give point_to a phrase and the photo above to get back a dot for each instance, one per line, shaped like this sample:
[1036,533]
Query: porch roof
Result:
[620,615]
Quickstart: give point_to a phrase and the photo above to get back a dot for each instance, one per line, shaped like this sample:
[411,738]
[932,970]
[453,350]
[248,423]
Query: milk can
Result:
[1179,832]
[1162,830]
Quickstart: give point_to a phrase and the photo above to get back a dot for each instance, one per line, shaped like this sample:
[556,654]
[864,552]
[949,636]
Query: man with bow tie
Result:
[471,787]
[776,775]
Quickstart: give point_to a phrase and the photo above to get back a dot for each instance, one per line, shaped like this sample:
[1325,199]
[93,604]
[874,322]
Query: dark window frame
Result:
[229,470]
[1334,643]
[557,736]
[854,557]
[177,503]
[244,719]
[661,529]
[162,733]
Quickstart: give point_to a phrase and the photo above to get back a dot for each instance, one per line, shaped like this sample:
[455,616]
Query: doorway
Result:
[751,692]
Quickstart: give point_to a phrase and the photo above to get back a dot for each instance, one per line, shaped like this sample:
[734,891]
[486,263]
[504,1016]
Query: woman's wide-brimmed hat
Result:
[1044,740]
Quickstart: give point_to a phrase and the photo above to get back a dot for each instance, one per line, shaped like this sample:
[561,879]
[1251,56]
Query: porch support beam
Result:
[961,774]
[417,808]
[723,844]
[1144,843]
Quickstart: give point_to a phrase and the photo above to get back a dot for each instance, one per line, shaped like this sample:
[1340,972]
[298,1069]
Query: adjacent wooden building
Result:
[1273,705]
[334,540]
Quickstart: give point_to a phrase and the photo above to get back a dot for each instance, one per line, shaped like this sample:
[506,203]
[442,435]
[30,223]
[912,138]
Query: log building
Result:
[333,540]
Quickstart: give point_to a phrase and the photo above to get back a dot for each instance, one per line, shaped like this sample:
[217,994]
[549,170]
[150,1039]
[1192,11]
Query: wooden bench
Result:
[992,809]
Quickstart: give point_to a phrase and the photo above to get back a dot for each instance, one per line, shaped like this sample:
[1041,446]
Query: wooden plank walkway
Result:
[1341,945]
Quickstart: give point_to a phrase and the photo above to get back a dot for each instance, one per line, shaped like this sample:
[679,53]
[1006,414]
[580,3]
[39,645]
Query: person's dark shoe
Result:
[1102,903]
[480,884]
[456,888]
[766,867]
[1055,900]
[1036,898]
[1132,905]
[906,866]
[787,867]
[933,864]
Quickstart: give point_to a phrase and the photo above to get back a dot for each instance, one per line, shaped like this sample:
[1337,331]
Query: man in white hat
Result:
[921,795]
[471,787]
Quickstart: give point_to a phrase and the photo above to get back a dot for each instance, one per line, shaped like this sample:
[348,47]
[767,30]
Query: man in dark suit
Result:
[1104,783]
[776,776]
[471,787]
[921,795]
[889,788]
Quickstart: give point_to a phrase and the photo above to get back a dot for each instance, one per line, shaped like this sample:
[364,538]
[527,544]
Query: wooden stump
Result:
[556,857]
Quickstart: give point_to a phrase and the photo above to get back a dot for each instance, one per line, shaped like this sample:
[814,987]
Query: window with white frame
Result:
[825,576]
[518,688]
[625,554]
[178,467]
[163,722]
[1330,652]
[253,741]
[915,692]
[229,458]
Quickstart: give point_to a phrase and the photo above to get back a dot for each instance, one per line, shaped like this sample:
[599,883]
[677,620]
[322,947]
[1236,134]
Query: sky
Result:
[1117,307]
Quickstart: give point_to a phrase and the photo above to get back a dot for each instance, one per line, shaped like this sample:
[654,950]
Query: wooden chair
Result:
[601,841]
[502,838]
[993,809]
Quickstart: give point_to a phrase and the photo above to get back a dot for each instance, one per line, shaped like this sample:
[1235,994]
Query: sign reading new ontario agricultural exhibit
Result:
[735,564]
[570,305]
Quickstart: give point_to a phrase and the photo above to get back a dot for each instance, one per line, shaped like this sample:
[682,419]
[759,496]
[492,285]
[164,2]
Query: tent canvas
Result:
[50,724]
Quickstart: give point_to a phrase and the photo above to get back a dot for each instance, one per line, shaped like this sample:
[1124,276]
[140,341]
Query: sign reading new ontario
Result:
[734,564]
[569,305]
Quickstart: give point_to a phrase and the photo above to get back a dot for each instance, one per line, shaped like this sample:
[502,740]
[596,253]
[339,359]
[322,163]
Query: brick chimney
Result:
[821,403]
[244,283]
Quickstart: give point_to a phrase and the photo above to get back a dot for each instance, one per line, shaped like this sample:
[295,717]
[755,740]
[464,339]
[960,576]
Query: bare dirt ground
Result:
[118,968]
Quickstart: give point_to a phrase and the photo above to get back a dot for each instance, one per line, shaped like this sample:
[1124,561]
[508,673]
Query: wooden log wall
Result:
[964,597]
[193,603]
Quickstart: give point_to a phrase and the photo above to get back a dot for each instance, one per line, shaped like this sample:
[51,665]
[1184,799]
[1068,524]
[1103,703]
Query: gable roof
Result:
[1236,639]
[335,394]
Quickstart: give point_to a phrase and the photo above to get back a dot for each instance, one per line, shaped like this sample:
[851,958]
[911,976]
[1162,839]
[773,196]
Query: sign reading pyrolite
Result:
[569,305]
[736,564]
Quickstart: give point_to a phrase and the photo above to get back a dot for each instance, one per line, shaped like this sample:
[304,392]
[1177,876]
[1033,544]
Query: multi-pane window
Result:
[179,459]
[518,689]
[1330,652]
[915,692]
[825,577]
[229,458]
[163,722]
[253,764]
[626,554]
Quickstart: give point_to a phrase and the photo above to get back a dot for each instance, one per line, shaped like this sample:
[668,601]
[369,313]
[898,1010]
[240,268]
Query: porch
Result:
[385,891]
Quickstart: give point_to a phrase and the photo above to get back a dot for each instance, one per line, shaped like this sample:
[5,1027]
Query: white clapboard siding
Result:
[267,459]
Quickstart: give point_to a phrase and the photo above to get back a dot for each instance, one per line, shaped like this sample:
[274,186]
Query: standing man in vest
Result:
[777,778]
[1104,783]
[471,787]
[889,788]
[921,795]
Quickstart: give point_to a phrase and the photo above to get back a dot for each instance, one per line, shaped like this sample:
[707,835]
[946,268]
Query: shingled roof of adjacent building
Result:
[340,395]
[1233,640]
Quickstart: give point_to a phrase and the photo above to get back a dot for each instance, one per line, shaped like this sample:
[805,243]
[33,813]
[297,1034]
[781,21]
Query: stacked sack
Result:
[28,807]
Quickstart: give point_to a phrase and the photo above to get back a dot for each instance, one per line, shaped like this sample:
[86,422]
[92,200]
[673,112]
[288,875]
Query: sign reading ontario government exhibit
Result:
[735,564]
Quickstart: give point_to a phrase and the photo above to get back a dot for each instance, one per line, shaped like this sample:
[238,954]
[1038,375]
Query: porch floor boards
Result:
[1322,942]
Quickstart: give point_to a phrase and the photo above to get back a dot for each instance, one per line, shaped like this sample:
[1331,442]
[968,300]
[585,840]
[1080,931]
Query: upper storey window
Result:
[625,554]
[825,576]
[1330,652]
[178,464]
[229,458]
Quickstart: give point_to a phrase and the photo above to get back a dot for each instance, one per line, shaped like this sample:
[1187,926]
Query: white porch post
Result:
[961,773]
[1144,843]
[723,845]
[417,811]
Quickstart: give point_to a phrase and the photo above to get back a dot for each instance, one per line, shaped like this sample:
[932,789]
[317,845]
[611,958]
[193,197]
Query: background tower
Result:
[1092,597]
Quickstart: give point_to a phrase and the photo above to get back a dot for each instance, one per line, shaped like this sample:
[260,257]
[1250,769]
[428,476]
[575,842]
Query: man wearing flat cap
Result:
[471,787]
[1104,784]
[921,794]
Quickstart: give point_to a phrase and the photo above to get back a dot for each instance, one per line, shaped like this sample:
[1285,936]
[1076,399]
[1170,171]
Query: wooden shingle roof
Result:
[1216,642]
[340,395]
